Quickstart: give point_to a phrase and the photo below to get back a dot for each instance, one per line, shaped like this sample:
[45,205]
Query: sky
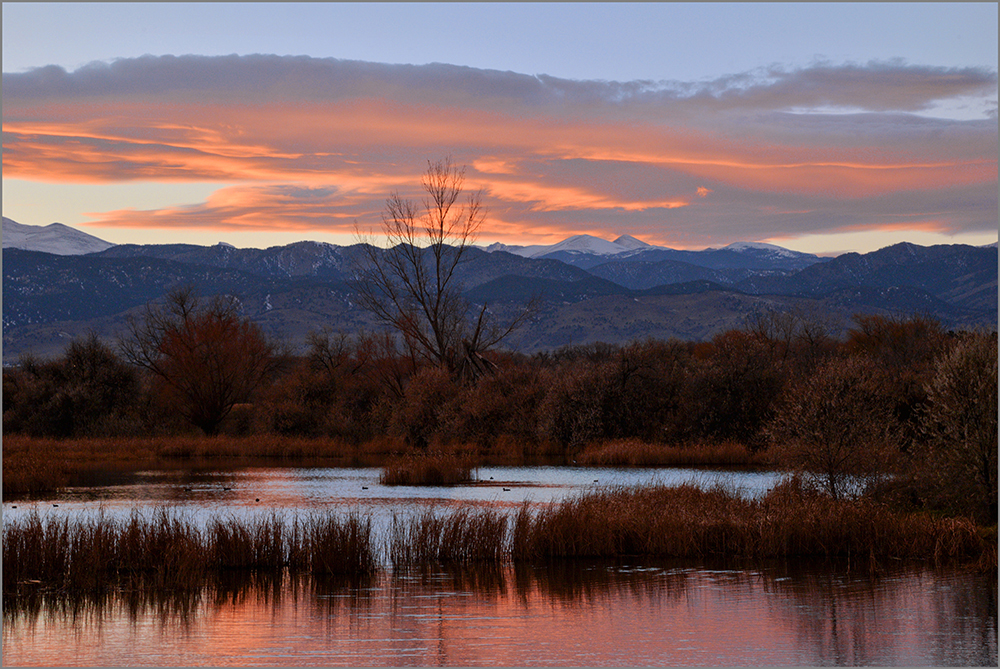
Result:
[826,127]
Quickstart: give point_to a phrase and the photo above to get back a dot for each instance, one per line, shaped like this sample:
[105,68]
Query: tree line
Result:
[895,396]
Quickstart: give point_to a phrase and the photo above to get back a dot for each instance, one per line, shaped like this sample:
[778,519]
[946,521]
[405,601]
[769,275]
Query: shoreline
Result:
[34,465]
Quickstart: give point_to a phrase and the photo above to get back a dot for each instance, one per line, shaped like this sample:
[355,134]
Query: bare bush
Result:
[419,415]
[958,453]
[90,390]
[732,389]
[838,426]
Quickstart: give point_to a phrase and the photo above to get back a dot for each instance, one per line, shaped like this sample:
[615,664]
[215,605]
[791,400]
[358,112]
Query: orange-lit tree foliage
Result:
[207,358]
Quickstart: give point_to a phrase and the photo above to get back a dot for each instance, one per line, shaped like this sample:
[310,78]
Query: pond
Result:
[206,493]
[628,612]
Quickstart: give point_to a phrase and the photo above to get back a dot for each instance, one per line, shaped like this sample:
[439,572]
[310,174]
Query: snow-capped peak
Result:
[56,238]
[498,246]
[631,243]
[584,244]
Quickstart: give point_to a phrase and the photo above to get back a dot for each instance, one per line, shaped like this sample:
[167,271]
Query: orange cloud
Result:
[317,144]
[542,197]
[268,143]
[269,207]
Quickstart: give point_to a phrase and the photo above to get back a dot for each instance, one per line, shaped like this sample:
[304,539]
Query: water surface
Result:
[315,489]
[591,614]
[684,613]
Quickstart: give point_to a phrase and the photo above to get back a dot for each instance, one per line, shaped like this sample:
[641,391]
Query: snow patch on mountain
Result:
[632,244]
[56,238]
[507,248]
[582,244]
[761,246]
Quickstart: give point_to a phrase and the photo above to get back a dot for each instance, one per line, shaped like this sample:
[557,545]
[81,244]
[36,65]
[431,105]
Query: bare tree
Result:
[208,358]
[411,285]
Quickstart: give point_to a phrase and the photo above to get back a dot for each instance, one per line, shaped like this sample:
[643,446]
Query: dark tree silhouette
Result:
[208,358]
[411,285]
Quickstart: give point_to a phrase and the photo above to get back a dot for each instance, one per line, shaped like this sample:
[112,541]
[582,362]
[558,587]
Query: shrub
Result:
[87,391]
[207,358]
[572,412]
[419,415]
[957,458]
[732,389]
[500,406]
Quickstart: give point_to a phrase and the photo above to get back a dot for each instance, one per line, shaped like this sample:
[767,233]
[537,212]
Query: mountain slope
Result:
[293,260]
[965,276]
[45,288]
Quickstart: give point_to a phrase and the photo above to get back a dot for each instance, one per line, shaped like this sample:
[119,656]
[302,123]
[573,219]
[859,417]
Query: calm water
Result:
[651,613]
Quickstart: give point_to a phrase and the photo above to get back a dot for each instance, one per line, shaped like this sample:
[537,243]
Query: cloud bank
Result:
[307,144]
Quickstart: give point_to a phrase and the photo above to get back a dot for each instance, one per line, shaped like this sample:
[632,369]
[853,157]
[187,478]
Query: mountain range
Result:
[60,283]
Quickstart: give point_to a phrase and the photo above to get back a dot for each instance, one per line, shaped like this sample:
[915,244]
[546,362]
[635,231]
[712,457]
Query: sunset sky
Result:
[821,127]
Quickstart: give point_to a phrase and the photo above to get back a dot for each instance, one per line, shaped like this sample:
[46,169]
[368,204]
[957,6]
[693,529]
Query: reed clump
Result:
[340,546]
[257,543]
[167,550]
[431,469]
[463,536]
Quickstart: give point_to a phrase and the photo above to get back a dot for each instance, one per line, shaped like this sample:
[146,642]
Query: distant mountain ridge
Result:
[586,290]
[587,251]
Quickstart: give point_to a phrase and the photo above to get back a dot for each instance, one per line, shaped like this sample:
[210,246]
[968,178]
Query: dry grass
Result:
[166,551]
[461,537]
[341,547]
[688,522]
[427,469]
[636,453]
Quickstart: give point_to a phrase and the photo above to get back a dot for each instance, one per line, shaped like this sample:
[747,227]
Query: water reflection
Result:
[573,612]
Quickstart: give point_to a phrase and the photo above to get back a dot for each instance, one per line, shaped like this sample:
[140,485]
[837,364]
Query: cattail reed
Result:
[340,546]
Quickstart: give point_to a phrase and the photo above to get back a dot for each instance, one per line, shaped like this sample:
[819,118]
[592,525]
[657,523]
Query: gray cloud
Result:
[877,86]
